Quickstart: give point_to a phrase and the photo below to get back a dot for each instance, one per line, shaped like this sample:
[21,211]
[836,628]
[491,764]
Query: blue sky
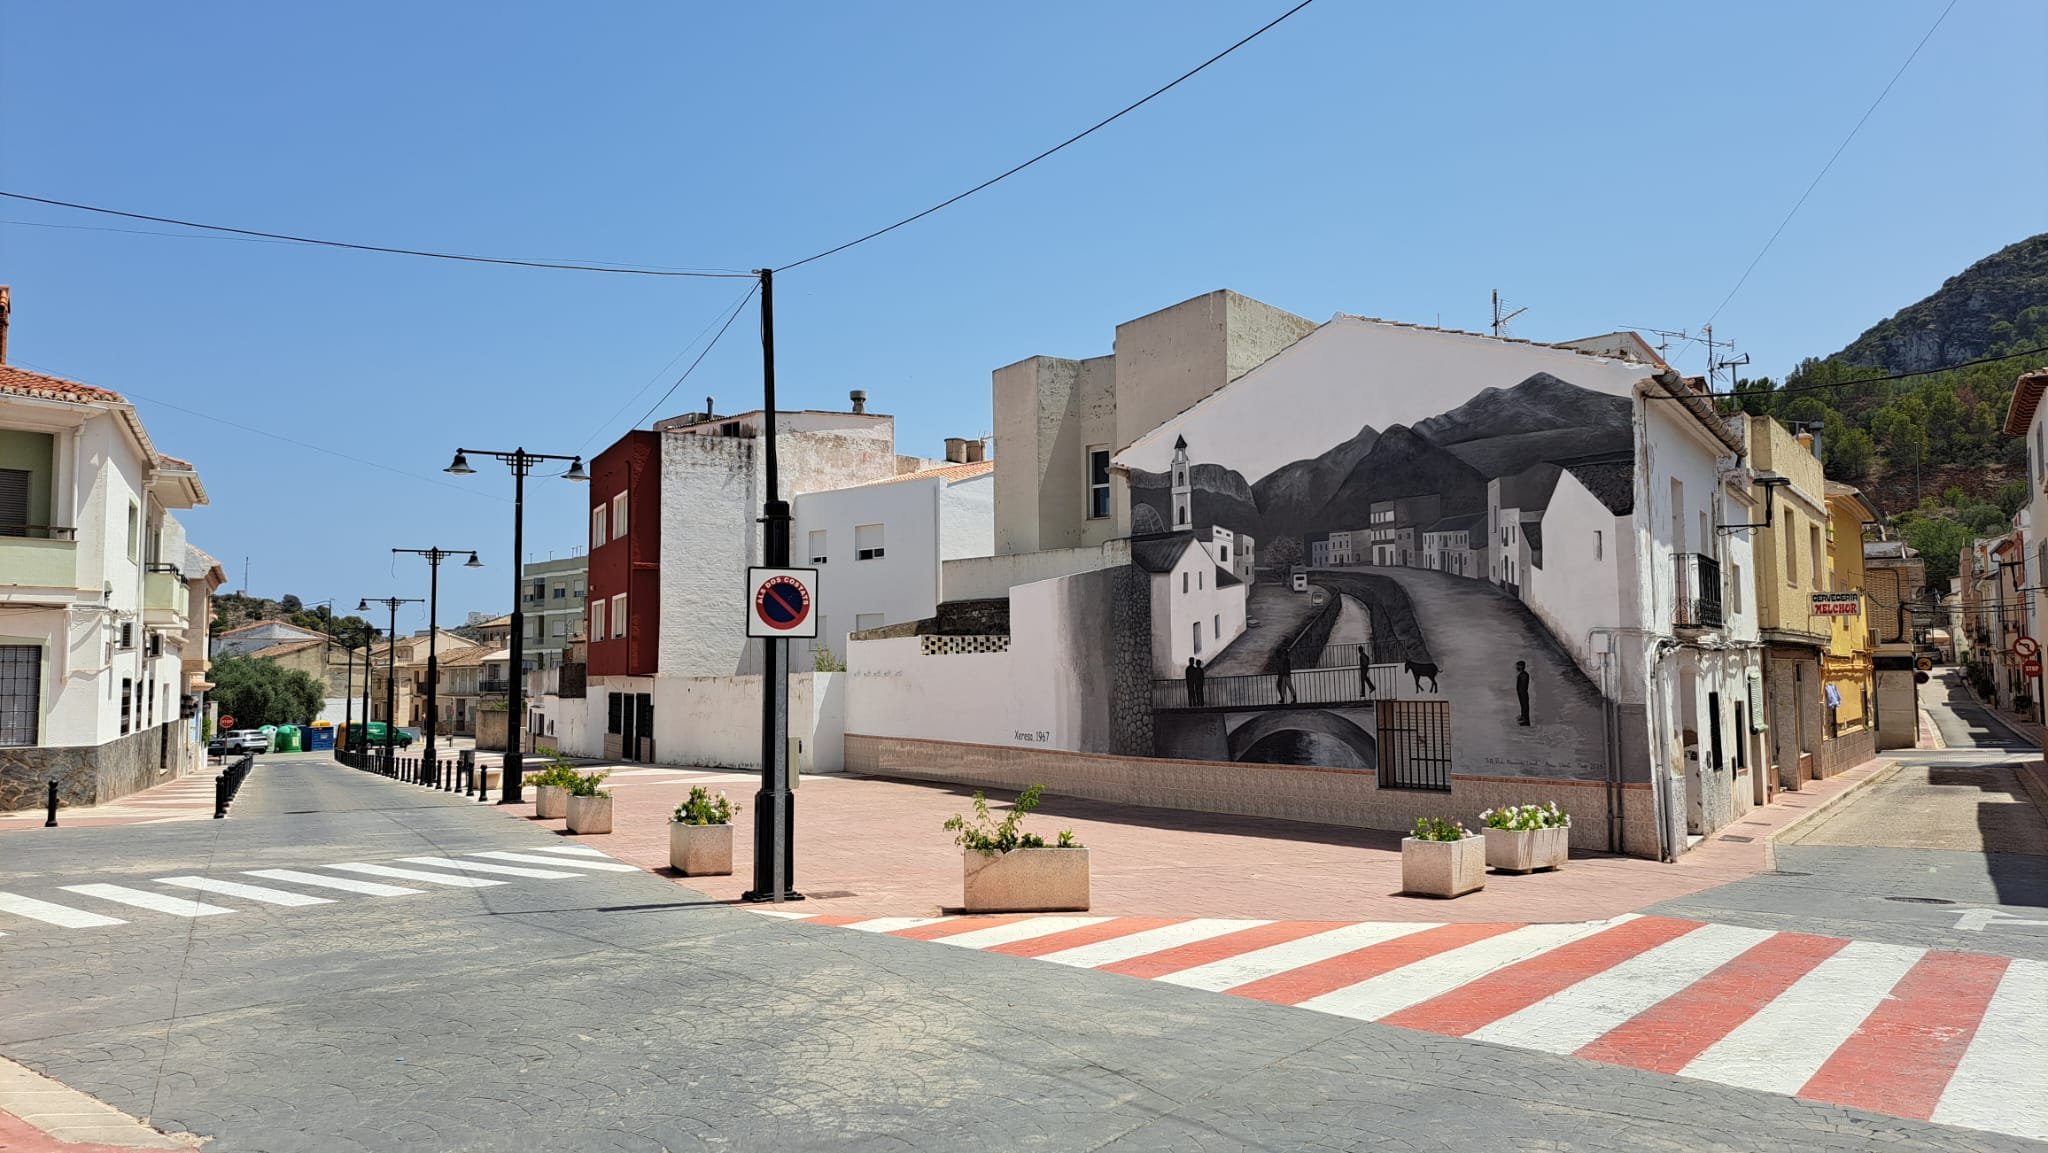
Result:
[1606,165]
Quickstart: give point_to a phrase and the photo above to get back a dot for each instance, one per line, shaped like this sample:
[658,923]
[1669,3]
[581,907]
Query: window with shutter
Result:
[14,519]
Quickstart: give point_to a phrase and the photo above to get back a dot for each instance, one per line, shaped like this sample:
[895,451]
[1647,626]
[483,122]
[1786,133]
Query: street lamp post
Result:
[521,462]
[390,673]
[434,558]
[362,740]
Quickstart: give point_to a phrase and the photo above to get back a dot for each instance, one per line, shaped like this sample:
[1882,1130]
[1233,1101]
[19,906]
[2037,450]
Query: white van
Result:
[1298,580]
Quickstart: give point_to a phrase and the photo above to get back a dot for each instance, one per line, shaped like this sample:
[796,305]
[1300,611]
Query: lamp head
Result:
[576,471]
[363,605]
[460,465]
[472,562]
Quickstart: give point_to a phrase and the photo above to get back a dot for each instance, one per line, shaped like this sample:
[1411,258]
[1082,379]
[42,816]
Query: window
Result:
[124,636]
[818,546]
[540,589]
[561,628]
[1218,626]
[619,616]
[1599,545]
[1098,481]
[867,542]
[615,707]
[1677,514]
[561,593]
[1184,582]
[21,683]
[597,536]
[1198,580]
[127,702]
[134,538]
[1814,565]
[618,516]
[1735,587]
[1791,551]
[14,518]
[1225,556]
[1198,636]
[862,622]
[597,620]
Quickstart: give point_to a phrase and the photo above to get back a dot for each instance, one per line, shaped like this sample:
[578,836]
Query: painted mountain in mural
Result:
[1291,495]
[1221,497]
[1502,432]
[1402,463]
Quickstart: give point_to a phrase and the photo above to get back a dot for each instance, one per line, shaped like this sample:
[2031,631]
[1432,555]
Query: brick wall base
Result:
[1284,792]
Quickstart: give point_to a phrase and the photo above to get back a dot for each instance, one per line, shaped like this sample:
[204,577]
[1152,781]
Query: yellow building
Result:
[1848,665]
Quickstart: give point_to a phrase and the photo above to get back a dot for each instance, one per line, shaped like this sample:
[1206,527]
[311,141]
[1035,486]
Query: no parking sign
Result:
[782,602]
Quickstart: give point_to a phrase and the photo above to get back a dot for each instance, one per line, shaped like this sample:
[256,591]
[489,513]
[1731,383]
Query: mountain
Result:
[1982,307]
[1402,463]
[1220,497]
[1291,494]
[1542,403]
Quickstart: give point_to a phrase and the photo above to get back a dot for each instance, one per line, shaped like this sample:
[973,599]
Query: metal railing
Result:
[1341,685]
[494,686]
[40,531]
[1696,580]
[1414,745]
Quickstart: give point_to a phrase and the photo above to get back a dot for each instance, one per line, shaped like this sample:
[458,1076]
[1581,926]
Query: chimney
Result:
[975,447]
[956,450]
[6,306]
[707,408]
[859,397]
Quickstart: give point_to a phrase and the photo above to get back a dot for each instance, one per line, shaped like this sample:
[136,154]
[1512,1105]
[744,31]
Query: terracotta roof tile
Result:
[948,473]
[174,462]
[21,382]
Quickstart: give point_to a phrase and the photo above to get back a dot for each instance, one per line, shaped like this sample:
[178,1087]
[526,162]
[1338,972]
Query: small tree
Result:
[258,693]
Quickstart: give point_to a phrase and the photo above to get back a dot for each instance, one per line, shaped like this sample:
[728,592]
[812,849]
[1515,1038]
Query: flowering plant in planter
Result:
[1521,818]
[1438,829]
[702,808]
[586,784]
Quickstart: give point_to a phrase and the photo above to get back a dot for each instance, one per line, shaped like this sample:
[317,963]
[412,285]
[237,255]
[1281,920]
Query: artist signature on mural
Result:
[1520,763]
[1040,737]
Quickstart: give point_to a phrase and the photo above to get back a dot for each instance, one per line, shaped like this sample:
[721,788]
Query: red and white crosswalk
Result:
[1956,1038]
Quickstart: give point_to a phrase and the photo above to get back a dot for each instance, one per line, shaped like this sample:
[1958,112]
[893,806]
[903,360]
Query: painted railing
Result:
[1342,685]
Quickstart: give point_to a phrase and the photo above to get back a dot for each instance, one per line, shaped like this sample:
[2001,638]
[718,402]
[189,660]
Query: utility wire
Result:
[1789,389]
[1824,169]
[565,265]
[1076,138]
[735,315]
[663,371]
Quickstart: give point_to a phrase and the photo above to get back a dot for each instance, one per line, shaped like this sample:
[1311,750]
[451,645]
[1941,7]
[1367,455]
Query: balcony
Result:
[1697,586]
[164,599]
[38,556]
[489,686]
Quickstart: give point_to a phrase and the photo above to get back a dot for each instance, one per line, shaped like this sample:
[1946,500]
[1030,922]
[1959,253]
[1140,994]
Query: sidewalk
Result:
[869,847]
[186,798]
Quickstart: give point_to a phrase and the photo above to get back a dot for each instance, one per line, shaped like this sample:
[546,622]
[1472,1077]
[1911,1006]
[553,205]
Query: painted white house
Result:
[98,595]
[880,548]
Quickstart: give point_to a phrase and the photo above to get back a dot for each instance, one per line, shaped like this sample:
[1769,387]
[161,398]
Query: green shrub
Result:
[559,774]
[1438,829]
[704,808]
[987,835]
[586,784]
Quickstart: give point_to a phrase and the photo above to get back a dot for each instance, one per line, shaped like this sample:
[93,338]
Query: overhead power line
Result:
[1074,139]
[1791,389]
[1825,168]
[258,234]
[736,310]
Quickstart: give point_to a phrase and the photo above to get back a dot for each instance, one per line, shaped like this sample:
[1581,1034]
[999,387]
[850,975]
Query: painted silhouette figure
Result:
[1283,678]
[1365,686]
[1421,672]
[1522,689]
[1195,674]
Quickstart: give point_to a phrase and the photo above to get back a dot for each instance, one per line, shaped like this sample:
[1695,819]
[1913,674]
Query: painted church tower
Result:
[1183,492]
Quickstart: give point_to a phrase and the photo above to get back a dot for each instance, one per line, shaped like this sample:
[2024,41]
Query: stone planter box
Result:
[1024,881]
[700,850]
[1443,868]
[590,815]
[550,802]
[1526,850]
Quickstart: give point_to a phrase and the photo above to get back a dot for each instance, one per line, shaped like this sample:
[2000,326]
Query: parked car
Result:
[402,738]
[247,741]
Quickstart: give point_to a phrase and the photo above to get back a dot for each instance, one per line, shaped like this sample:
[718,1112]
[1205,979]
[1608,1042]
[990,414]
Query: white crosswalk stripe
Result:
[144,899]
[1376,997]
[1567,1021]
[2002,1081]
[260,893]
[1018,931]
[479,867]
[565,862]
[1781,1048]
[1149,941]
[575,851]
[51,913]
[1231,972]
[875,924]
[340,884]
[453,879]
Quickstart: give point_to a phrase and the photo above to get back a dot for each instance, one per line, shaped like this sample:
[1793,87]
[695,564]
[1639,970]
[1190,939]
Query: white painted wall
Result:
[967,517]
[714,721]
[978,578]
[901,585]
[1175,612]
[1581,584]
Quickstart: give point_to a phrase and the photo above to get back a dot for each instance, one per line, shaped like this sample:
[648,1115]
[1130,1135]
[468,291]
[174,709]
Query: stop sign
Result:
[2031,667]
[227,722]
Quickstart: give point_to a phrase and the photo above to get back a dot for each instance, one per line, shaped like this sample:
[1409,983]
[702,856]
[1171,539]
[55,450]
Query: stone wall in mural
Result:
[1399,600]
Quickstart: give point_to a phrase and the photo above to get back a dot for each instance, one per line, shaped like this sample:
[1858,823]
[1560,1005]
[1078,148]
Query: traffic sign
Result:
[227,722]
[1924,664]
[782,602]
[2027,647]
[2031,667]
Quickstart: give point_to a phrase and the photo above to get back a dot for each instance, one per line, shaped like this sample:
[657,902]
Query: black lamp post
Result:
[434,558]
[521,463]
[362,740]
[348,695]
[391,670]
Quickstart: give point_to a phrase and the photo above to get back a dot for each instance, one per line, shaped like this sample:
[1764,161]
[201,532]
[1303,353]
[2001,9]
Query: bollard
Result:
[447,777]
[52,822]
[220,796]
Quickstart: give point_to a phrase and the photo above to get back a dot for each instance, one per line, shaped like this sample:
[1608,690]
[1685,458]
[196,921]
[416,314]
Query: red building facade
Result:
[625,559]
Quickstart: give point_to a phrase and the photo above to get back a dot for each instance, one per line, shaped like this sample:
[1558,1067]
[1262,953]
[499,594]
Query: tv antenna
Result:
[1500,319]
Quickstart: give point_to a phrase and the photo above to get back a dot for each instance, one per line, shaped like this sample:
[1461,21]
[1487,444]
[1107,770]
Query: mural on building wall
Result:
[1390,601]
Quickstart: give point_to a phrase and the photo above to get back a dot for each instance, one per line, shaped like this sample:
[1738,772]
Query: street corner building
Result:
[1363,571]
[103,604]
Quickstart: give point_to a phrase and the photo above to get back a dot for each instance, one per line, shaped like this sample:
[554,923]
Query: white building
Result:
[98,595]
[2026,418]
[880,548]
